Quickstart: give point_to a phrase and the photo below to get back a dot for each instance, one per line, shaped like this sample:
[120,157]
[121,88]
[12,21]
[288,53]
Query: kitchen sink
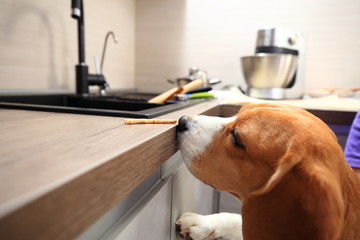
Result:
[132,105]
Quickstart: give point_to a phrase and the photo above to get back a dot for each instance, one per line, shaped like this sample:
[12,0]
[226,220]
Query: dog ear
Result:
[286,163]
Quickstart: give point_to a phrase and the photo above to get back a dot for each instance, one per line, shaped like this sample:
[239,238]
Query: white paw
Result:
[199,227]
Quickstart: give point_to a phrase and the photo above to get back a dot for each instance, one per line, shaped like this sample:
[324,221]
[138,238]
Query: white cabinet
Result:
[150,221]
[150,211]
[190,195]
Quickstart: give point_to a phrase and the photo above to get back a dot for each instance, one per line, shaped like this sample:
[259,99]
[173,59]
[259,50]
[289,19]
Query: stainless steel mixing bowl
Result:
[267,70]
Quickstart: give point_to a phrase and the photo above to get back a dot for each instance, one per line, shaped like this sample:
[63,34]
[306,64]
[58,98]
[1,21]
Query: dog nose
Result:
[182,124]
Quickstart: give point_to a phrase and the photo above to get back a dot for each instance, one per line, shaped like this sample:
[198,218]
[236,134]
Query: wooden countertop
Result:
[61,172]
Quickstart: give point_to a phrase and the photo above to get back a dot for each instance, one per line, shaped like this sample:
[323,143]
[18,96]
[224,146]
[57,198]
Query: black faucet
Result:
[83,78]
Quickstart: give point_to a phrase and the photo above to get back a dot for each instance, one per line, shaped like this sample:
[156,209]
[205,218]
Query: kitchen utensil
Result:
[177,90]
[192,85]
[166,95]
[201,95]
[269,70]
[201,89]
[187,96]
[194,74]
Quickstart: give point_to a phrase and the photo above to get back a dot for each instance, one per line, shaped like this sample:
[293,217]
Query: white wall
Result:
[160,39]
[38,42]
[172,36]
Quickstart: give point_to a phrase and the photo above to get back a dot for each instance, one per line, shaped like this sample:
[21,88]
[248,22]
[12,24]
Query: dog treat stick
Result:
[149,121]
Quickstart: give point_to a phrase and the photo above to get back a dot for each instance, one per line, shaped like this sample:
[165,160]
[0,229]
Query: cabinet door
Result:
[150,219]
[190,195]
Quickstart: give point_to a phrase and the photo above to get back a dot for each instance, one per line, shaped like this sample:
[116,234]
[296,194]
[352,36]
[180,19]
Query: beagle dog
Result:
[286,167]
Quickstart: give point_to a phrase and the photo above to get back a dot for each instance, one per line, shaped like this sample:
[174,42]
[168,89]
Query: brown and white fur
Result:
[283,163]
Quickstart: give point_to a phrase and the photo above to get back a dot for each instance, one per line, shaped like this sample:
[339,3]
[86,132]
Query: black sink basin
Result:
[132,105]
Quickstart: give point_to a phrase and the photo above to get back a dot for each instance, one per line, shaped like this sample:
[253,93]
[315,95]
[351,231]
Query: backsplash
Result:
[38,42]
[214,34]
[160,39]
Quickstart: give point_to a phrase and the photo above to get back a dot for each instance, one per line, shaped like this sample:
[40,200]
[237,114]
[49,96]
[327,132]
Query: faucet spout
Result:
[77,12]
[111,33]
[75,9]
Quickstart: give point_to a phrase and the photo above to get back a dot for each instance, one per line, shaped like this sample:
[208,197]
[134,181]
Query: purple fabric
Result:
[352,148]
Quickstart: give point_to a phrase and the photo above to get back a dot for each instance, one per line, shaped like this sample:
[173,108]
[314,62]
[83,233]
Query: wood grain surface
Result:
[60,172]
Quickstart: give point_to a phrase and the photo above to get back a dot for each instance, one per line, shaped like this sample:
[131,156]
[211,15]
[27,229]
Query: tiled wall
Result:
[38,42]
[211,34]
[160,39]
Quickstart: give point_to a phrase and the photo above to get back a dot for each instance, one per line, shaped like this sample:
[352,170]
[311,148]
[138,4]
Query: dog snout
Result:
[182,124]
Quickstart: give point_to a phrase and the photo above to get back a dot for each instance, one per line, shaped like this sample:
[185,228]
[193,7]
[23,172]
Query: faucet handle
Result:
[97,65]
[100,81]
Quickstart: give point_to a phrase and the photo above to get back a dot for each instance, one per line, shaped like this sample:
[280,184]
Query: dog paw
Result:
[198,227]
[193,226]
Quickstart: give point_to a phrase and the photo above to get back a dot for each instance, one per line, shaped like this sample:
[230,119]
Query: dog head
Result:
[250,152]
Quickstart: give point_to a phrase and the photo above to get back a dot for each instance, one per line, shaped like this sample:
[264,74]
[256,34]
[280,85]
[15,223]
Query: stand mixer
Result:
[277,68]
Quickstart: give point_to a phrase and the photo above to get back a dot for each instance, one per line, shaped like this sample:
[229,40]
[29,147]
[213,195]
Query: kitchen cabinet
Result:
[149,219]
[150,211]
[190,195]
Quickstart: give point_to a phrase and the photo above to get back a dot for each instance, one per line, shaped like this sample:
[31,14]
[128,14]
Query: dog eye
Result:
[236,139]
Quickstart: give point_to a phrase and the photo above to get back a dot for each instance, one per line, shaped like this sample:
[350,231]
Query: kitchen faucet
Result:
[83,78]
[104,48]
